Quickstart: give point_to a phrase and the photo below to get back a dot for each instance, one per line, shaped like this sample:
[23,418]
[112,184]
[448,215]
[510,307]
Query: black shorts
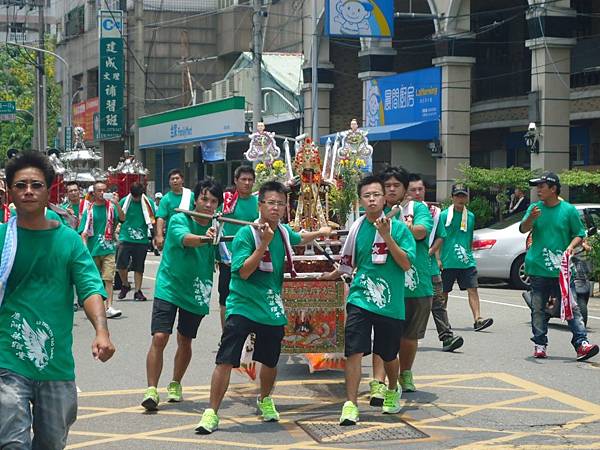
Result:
[387,331]
[224,279]
[163,318]
[132,256]
[267,346]
[467,278]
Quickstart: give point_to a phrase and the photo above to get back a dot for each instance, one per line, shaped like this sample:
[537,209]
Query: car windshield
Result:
[510,220]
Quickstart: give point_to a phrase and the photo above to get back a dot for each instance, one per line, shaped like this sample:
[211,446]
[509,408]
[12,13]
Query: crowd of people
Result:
[404,256]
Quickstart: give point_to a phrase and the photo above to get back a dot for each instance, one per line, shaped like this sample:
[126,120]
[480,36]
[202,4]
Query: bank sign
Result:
[193,124]
[359,18]
[403,98]
[111,74]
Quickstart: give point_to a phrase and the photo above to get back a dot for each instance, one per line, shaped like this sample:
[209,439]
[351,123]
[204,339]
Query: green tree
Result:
[17,82]
[496,181]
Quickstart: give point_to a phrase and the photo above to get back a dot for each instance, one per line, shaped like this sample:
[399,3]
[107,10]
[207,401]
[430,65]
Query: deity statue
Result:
[310,214]
[355,143]
[263,147]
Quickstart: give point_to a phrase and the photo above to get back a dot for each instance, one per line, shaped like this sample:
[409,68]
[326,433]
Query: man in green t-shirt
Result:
[71,205]
[439,305]
[556,229]
[458,263]
[254,304]
[178,197]
[418,290]
[97,228]
[183,285]
[43,262]
[133,239]
[381,251]
[242,205]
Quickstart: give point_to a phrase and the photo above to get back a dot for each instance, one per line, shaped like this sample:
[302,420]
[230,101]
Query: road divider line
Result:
[512,305]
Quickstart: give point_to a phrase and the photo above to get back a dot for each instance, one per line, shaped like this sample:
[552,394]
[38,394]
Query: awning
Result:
[415,131]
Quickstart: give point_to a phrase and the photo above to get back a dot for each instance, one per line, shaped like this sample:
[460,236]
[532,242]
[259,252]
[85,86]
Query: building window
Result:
[92,83]
[577,156]
[17,32]
[75,22]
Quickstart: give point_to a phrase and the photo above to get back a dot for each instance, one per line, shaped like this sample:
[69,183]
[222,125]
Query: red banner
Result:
[83,116]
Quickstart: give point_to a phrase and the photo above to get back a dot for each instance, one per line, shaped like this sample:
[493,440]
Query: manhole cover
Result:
[326,429]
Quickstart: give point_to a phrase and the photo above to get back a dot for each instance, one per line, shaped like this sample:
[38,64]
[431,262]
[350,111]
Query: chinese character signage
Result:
[359,18]
[403,98]
[110,74]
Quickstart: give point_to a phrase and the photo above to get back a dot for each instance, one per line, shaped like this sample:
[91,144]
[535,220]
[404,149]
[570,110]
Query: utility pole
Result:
[40,130]
[257,17]
[314,82]
[139,76]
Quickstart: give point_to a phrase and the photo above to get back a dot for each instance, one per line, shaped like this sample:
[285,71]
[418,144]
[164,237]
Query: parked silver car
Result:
[499,250]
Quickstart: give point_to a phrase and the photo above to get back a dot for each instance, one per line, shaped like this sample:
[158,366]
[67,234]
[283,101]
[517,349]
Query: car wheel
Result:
[518,278]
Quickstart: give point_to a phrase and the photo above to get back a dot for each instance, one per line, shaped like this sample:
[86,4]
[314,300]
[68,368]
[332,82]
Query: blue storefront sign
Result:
[409,97]
[359,18]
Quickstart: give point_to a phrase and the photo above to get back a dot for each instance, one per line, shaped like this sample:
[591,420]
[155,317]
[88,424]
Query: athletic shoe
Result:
[349,414]
[75,307]
[586,351]
[267,409]
[482,324]
[157,253]
[112,313]
[539,351]
[391,403]
[151,400]
[124,291]
[377,393]
[452,343]
[208,423]
[139,296]
[175,392]
[406,381]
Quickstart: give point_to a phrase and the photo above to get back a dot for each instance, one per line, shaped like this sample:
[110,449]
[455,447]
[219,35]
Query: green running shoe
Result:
[406,381]
[349,414]
[377,393]
[208,423]
[175,392]
[267,409]
[151,400]
[391,402]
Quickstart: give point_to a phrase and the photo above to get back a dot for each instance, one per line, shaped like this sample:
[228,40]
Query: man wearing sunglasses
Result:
[42,262]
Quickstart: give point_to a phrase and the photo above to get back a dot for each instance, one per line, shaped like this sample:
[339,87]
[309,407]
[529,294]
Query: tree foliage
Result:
[17,83]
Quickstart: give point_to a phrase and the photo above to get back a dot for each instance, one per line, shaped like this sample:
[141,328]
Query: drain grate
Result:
[326,429]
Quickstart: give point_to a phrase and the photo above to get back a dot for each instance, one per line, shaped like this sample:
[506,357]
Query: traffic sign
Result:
[8,111]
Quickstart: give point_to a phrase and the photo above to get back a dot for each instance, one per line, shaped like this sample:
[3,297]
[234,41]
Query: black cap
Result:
[547,177]
[459,188]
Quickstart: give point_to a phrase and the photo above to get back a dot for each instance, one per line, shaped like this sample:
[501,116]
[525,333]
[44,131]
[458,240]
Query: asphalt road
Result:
[491,393]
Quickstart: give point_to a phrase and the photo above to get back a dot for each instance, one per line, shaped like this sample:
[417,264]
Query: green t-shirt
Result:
[73,206]
[552,231]
[245,209]
[259,297]
[97,244]
[169,203]
[440,232]
[37,312]
[185,275]
[379,288]
[134,229]
[417,281]
[456,251]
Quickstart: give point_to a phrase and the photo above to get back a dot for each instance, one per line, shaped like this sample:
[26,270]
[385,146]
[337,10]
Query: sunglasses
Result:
[35,185]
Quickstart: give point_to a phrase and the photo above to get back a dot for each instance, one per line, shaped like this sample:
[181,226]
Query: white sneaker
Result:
[113,313]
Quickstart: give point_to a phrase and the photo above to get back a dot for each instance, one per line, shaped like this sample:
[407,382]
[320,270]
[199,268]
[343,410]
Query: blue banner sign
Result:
[403,98]
[359,18]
